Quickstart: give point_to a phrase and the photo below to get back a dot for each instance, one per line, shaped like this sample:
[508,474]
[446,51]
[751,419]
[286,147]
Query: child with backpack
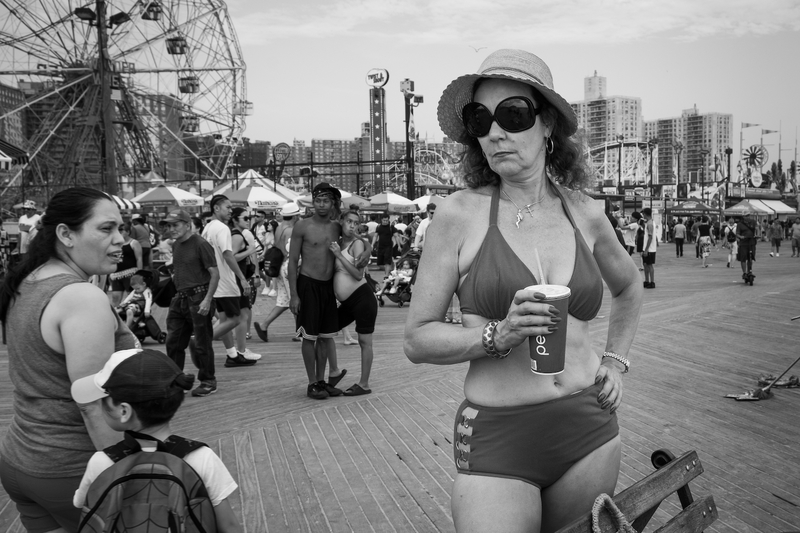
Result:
[141,390]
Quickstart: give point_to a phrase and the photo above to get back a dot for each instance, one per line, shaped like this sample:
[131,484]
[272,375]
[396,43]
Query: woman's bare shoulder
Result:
[461,205]
[92,299]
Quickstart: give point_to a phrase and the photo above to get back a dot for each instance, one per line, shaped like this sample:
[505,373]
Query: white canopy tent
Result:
[253,178]
[760,207]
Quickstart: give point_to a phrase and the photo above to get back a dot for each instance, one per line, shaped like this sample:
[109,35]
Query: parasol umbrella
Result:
[124,204]
[423,201]
[167,196]
[393,203]
[258,197]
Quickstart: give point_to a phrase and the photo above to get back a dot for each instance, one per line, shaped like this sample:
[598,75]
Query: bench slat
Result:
[637,499]
[694,519]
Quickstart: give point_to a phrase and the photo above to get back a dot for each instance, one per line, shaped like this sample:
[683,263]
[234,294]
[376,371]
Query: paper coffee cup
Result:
[547,351]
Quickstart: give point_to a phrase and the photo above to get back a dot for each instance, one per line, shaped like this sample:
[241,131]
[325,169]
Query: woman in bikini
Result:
[532,451]
[357,302]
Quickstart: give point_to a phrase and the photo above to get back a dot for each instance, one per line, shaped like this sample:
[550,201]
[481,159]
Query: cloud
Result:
[512,22]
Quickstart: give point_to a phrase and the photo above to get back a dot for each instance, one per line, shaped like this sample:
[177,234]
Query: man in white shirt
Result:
[419,238]
[27,222]
[649,250]
[228,295]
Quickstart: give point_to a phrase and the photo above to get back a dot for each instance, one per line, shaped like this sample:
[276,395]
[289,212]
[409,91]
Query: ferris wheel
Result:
[111,91]
[755,156]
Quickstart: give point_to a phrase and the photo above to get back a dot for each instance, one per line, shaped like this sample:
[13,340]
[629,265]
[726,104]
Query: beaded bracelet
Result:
[619,358]
[488,341]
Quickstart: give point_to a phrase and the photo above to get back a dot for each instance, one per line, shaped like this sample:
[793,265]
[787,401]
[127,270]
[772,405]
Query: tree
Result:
[793,175]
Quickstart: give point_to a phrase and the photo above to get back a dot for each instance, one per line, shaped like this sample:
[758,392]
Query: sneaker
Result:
[239,360]
[330,389]
[265,292]
[316,392]
[729,264]
[273,293]
[205,388]
[777,254]
[393,290]
[771,254]
[250,356]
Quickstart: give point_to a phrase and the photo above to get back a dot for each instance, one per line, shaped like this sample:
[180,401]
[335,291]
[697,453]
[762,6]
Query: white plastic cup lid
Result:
[552,292]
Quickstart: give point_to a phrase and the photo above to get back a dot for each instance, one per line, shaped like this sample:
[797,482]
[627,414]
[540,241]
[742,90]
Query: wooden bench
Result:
[640,501]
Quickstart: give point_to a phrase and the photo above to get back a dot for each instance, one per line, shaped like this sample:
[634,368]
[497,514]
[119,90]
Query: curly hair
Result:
[566,164]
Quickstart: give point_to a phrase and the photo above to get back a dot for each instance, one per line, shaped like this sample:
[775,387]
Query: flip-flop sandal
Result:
[357,390]
[334,380]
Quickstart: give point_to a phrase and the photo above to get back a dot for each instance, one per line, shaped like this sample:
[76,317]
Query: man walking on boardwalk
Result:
[313,302]
[196,276]
[228,295]
[649,250]
[290,213]
[746,235]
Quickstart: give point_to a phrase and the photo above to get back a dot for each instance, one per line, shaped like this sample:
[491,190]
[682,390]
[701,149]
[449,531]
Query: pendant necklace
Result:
[525,207]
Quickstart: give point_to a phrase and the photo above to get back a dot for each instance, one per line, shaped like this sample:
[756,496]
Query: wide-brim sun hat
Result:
[505,64]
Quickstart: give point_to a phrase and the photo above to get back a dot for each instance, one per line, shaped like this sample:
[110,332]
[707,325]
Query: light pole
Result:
[652,144]
[704,153]
[411,101]
[678,146]
[619,167]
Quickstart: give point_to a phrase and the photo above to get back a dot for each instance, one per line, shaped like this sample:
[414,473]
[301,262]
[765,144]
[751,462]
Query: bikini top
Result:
[497,273]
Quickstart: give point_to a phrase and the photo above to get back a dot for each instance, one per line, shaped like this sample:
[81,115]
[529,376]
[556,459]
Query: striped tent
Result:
[18,155]
[125,204]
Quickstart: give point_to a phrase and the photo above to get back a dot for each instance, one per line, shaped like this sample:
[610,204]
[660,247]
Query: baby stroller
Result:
[403,293]
[160,283]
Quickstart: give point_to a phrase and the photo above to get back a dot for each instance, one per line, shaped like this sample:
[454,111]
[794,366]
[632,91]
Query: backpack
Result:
[152,235]
[148,492]
[731,234]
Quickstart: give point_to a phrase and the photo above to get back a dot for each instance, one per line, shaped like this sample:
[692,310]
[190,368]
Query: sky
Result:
[307,60]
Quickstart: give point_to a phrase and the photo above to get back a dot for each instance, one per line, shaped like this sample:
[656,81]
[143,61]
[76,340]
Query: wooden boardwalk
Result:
[382,462]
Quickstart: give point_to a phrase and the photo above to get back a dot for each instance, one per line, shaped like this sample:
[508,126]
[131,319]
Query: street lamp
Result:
[411,100]
[704,153]
[619,166]
[652,144]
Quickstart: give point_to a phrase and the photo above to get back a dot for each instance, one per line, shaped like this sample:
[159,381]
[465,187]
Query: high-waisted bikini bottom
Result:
[537,443]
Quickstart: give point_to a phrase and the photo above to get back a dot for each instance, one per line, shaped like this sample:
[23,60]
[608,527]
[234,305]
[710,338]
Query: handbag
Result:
[273,259]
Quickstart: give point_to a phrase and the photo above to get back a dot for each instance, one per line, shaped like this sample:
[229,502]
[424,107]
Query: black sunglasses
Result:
[513,114]
[244,218]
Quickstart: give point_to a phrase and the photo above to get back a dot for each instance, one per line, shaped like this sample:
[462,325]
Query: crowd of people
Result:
[88,274]
[532,451]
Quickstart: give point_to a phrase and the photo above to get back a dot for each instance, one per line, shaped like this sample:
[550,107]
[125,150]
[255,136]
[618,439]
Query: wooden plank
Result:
[293,516]
[253,515]
[694,519]
[303,484]
[269,490]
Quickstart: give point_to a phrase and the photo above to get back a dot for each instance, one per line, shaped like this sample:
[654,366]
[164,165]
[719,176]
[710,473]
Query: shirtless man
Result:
[313,302]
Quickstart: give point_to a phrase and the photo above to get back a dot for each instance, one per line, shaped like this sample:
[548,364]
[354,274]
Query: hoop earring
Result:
[549,145]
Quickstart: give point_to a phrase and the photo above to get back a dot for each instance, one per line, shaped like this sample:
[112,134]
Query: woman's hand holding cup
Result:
[528,316]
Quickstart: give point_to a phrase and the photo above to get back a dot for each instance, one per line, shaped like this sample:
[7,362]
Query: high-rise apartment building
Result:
[691,146]
[11,125]
[607,119]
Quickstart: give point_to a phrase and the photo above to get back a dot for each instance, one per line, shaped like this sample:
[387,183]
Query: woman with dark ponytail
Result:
[59,328]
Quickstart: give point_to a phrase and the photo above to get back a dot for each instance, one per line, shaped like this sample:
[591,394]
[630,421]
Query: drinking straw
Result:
[542,281]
